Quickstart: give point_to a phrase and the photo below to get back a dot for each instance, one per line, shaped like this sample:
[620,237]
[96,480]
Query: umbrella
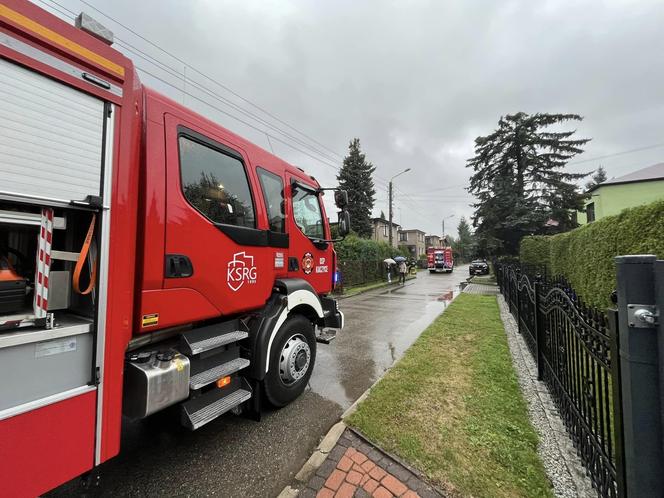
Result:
[389,261]
[399,259]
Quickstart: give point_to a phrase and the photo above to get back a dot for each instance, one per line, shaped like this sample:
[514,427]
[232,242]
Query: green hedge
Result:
[534,250]
[585,255]
[354,248]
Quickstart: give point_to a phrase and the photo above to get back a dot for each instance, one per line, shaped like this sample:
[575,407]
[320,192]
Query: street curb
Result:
[385,284]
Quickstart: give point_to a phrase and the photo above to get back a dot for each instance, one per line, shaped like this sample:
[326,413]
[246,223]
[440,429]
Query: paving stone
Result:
[375,455]
[400,472]
[365,448]
[345,491]
[336,478]
[361,493]
[377,473]
[345,463]
[370,486]
[368,465]
[326,468]
[316,482]
[354,477]
[359,458]
[394,485]
[325,493]
[337,453]
[381,492]
[307,493]
[344,441]
[410,494]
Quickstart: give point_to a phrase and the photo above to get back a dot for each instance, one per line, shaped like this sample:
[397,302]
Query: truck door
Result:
[216,235]
[309,256]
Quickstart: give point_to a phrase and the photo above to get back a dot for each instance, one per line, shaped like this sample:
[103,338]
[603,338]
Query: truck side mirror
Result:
[341,198]
[344,223]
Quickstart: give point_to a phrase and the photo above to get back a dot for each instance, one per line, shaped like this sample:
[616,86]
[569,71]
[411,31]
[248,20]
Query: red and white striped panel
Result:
[43,263]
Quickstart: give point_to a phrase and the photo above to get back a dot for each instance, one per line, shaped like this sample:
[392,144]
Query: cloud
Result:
[418,81]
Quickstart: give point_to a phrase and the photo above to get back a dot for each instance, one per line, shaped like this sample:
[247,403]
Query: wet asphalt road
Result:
[236,457]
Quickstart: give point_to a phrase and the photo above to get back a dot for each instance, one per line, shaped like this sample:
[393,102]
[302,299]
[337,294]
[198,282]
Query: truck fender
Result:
[291,296]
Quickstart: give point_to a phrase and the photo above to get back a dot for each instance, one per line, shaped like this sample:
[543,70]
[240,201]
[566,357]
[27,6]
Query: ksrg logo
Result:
[241,270]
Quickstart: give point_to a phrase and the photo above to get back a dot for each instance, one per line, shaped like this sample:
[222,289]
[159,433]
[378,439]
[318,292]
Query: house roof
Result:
[654,172]
[386,222]
[414,230]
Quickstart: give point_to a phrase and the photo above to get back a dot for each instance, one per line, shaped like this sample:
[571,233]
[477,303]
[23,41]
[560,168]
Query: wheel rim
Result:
[294,360]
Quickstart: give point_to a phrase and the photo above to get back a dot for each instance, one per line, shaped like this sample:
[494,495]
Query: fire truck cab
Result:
[150,259]
[440,259]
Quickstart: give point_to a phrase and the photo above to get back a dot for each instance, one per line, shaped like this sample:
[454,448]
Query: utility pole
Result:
[446,217]
[390,215]
[390,201]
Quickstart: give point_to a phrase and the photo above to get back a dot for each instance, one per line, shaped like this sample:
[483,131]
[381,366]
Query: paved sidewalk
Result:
[481,289]
[355,468]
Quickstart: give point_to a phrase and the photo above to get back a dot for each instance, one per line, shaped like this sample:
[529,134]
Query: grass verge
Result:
[374,285]
[453,409]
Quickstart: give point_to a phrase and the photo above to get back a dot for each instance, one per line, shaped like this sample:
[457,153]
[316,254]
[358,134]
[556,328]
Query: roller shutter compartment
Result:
[51,137]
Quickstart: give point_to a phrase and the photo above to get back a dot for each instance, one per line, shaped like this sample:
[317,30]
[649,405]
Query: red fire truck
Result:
[440,259]
[149,258]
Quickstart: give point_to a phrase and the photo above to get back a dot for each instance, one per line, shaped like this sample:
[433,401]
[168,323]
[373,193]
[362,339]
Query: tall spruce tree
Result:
[464,243]
[355,176]
[520,180]
[598,177]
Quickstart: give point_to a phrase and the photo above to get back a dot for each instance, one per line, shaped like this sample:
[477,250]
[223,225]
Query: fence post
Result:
[659,301]
[539,329]
[616,383]
[639,367]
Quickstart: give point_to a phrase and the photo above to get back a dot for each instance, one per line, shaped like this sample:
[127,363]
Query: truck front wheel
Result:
[291,361]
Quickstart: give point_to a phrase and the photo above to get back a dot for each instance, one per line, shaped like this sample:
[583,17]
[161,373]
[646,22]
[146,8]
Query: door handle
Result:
[178,266]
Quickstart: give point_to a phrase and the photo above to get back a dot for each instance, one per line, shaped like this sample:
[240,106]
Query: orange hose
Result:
[76,279]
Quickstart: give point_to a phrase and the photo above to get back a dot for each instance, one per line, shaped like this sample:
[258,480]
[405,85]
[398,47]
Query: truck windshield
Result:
[307,213]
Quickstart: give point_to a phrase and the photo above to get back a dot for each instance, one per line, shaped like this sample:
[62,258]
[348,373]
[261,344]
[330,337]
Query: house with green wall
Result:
[634,189]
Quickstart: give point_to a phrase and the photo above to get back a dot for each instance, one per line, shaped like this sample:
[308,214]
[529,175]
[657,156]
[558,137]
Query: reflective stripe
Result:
[58,39]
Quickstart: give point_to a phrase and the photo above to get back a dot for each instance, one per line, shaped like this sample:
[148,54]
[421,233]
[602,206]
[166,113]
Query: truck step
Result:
[206,377]
[199,411]
[326,336]
[204,339]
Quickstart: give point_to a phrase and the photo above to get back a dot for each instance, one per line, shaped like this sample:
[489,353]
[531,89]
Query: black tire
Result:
[277,391]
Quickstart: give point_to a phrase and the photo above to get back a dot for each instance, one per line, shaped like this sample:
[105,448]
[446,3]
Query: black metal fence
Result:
[576,354]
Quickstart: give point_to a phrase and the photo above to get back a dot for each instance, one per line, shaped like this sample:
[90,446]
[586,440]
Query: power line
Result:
[176,74]
[221,85]
[622,153]
[203,101]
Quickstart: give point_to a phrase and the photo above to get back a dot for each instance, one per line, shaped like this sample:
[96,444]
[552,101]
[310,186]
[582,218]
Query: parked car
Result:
[479,267]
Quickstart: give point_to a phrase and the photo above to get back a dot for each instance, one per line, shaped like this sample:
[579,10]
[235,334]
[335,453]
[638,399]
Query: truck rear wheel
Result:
[291,361]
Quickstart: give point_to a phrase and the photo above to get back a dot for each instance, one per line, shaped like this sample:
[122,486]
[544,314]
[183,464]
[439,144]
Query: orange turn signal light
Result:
[224,381]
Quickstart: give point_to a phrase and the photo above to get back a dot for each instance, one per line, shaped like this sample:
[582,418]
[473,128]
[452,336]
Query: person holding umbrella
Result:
[388,263]
[403,269]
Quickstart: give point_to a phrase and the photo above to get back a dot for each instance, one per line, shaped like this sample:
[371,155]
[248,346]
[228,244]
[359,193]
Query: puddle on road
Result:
[346,368]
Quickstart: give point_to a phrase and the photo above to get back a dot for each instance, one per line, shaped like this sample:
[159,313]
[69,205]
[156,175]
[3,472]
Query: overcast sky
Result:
[415,81]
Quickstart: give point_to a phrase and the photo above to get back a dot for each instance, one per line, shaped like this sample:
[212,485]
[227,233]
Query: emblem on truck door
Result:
[241,270]
[307,263]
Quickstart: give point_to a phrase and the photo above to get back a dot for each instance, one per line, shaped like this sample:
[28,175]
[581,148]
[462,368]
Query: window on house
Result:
[590,212]
[403,237]
[215,184]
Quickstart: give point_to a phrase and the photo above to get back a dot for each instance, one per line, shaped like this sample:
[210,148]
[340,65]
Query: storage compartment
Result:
[40,248]
[51,137]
